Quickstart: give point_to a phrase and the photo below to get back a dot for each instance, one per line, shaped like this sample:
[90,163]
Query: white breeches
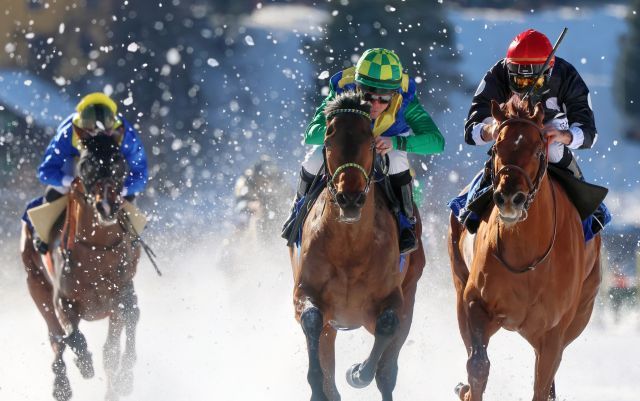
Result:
[398,161]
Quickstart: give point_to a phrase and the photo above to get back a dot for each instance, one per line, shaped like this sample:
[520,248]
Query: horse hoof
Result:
[354,379]
[461,389]
[61,389]
[124,382]
[85,365]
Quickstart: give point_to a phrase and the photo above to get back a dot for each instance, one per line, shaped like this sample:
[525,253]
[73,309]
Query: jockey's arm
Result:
[575,96]
[426,138]
[314,134]
[479,126]
[56,157]
[133,151]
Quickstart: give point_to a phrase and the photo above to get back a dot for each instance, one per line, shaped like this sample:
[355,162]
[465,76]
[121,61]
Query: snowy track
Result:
[228,333]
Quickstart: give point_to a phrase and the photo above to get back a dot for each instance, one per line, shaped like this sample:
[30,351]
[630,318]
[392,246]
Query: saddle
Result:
[585,197]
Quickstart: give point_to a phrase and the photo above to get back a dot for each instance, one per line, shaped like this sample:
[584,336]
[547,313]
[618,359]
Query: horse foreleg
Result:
[387,372]
[312,323]
[328,362]
[480,330]
[131,315]
[68,313]
[548,355]
[111,352]
[61,386]
[361,374]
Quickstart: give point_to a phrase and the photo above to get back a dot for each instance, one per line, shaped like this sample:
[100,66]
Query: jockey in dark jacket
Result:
[568,123]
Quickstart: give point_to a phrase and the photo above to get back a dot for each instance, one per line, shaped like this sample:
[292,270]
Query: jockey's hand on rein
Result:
[553,134]
[489,132]
[383,145]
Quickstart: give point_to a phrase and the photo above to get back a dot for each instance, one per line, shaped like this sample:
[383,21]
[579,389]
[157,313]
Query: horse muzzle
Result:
[511,207]
[351,204]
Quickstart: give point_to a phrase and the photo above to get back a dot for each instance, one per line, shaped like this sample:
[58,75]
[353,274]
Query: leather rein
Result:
[533,187]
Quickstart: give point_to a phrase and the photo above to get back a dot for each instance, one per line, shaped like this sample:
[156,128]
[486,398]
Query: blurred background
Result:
[221,92]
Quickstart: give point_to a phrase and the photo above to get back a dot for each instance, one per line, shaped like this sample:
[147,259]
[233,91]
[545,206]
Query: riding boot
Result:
[478,199]
[306,179]
[403,208]
[601,216]
[407,236]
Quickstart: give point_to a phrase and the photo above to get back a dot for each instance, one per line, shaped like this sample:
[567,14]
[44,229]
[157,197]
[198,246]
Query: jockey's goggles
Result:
[370,97]
[525,82]
[96,119]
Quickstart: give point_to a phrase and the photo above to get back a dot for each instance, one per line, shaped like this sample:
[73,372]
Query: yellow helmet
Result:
[96,111]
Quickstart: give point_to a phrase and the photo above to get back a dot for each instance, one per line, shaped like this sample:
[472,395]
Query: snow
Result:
[218,329]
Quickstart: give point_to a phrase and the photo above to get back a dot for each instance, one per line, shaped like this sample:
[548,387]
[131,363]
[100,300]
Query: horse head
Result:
[102,170]
[519,158]
[349,153]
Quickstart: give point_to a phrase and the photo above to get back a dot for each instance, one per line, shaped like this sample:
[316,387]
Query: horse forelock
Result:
[345,101]
[516,107]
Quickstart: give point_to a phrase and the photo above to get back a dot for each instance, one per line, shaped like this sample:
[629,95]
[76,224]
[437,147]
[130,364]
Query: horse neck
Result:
[529,239]
[352,234]
[82,220]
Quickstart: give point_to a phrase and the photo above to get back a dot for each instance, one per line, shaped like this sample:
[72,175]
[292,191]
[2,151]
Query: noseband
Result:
[533,186]
[331,183]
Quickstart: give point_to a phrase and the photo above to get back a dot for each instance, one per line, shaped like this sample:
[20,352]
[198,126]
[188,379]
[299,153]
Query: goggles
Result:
[523,82]
[371,97]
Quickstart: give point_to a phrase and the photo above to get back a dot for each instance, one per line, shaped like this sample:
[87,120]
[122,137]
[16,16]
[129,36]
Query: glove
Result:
[67,180]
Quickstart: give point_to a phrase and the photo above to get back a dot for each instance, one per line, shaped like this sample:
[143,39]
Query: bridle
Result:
[534,186]
[367,175]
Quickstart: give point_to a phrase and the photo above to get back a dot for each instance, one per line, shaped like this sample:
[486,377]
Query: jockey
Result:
[400,125]
[96,114]
[568,123]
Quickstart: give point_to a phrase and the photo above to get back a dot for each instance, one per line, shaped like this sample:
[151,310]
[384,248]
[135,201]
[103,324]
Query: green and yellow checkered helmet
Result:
[379,69]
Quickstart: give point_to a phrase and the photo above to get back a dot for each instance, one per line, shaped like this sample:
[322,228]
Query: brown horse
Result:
[528,268]
[347,271]
[90,274]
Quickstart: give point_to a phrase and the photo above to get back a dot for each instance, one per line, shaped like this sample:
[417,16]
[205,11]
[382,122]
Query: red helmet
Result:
[525,57]
[530,47]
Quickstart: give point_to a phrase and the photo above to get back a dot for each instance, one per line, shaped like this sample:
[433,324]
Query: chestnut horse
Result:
[90,274]
[347,271]
[528,268]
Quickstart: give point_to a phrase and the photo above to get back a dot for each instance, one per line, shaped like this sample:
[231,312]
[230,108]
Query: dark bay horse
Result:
[347,271]
[528,268]
[90,274]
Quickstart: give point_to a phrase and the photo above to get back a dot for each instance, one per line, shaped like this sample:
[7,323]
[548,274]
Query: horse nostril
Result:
[341,199]
[360,199]
[498,198]
[519,199]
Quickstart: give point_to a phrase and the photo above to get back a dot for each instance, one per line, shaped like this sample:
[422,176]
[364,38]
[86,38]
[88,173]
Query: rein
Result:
[368,176]
[533,187]
[123,221]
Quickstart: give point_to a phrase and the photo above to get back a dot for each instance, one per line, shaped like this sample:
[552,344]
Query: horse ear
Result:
[538,113]
[497,112]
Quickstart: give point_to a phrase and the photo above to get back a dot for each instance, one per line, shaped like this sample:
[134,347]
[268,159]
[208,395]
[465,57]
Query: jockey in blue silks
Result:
[96,114]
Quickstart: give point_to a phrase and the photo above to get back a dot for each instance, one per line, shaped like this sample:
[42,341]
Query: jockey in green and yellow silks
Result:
[400,125]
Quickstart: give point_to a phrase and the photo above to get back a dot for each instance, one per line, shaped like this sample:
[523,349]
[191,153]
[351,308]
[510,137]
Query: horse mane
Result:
[347,100]
[516,107]
[101,147]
